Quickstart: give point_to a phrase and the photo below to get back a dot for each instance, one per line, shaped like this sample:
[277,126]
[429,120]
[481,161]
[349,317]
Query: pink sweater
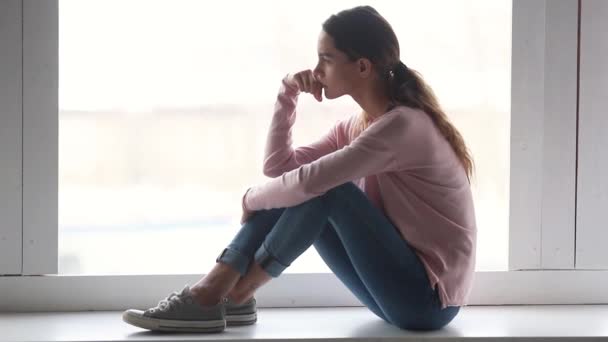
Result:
[405,167]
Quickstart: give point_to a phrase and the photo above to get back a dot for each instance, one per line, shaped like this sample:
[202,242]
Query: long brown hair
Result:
[362,32]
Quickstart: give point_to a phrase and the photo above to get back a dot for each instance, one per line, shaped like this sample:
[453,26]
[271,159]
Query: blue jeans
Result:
[358,243]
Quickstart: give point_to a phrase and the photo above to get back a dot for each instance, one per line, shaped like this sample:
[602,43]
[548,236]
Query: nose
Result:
[316,75]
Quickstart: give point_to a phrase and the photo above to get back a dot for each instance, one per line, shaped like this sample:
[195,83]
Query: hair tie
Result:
[397,68]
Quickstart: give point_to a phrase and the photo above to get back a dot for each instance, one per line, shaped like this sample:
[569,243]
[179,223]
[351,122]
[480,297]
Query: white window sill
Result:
[538,322]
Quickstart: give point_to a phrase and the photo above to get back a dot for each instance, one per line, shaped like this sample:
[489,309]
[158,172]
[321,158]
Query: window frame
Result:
[542,182]
[543,126]
[592,189]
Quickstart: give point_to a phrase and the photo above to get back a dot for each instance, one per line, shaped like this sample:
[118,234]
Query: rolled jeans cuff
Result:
[236,259]
[268,262]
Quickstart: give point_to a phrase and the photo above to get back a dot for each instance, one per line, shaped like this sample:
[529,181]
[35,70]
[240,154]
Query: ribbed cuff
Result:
[236,259]
[268,262]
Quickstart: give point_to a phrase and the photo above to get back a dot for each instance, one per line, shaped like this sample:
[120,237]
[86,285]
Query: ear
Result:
[365,67]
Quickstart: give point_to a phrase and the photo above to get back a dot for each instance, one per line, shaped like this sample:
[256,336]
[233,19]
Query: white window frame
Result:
[592,194]
[542,183]
[543,135]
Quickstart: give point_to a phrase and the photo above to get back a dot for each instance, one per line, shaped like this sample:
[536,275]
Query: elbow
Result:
[270,173]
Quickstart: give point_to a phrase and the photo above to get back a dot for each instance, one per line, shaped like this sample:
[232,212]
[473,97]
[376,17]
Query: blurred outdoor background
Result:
[164,107]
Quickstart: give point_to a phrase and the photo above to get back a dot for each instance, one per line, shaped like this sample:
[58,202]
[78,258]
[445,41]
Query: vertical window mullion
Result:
[40,137]
[10,137]
[592,196]
[543,135]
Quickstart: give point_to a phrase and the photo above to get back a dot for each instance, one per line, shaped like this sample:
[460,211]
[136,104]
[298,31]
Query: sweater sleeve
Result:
[279,156]
[372,152]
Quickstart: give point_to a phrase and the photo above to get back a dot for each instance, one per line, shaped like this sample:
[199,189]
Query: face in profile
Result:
[334,71]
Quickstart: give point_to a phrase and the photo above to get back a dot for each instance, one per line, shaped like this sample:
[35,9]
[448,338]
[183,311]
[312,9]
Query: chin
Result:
[330,95]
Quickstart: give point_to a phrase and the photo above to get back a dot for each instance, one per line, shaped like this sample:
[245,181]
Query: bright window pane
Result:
[165,106]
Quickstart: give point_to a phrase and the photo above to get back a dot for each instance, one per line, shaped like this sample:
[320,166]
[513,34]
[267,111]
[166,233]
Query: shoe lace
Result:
[173,300]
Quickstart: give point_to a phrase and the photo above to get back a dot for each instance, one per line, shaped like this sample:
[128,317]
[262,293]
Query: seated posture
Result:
[384,196]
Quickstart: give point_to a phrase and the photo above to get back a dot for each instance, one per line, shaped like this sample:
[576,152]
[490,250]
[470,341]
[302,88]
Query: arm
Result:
[279,156]
[372,152]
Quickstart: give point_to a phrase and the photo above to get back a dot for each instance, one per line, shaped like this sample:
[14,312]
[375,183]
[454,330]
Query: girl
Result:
[384,196]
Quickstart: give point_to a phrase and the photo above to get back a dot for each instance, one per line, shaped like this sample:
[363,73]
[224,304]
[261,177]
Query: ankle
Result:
[239,298]
[205,296]
[217,282]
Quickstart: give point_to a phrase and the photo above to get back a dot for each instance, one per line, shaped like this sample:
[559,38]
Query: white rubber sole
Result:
[136,318]
[241,319]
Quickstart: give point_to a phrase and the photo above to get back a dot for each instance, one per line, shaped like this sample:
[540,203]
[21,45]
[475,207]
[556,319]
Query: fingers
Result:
[317,91]
[296,80]
[303,81]
[307,83]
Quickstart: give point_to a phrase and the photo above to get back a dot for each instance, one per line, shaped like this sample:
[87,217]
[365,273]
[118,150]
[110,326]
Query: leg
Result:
[331,250]
[385,263]
[249,284]
[240,253]
[216,284]
[235,261]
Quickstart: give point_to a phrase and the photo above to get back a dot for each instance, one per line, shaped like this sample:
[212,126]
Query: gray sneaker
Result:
[240,314]
[179,312]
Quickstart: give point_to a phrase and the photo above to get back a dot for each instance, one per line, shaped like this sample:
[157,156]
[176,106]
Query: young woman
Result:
[384,196]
